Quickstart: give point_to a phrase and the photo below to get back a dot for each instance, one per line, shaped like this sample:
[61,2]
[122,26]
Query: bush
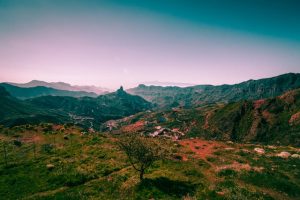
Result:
[227,172]
[193,173]
[47,148]
[211,159]
[94,140]
[17,143]
[142,152]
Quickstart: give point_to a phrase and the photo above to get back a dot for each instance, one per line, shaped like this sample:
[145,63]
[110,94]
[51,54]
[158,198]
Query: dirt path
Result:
[207,117]
[47,193]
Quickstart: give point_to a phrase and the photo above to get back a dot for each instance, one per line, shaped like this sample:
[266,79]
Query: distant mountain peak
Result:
[36,82]
[121,91]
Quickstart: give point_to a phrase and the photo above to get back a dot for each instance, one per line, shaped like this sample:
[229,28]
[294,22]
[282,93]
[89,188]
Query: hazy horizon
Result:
[148,83]
[113,43]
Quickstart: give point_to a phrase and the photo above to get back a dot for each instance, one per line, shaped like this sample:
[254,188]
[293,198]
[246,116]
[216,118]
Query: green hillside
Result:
[16,112]
[274,120]
[270,121]
[85,111]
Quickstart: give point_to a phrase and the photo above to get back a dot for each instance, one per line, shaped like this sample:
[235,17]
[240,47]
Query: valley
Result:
[149,100]
[237,145]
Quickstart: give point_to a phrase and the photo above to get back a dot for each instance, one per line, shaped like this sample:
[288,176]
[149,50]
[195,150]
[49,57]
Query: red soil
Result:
[202,148]
[139,125]
[289,97]
[34,138]
[259,103]
[295,119]
[207,117]
[268,116]
[57,127]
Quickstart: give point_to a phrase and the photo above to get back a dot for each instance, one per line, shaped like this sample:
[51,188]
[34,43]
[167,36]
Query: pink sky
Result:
[134,47]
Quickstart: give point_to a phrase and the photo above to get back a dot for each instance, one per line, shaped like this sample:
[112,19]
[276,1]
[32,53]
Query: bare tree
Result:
[142,152]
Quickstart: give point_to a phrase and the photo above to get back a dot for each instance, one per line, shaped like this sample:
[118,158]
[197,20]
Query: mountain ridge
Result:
[63,86]
[168,97]
[32,92]
[83,111]
[273,120]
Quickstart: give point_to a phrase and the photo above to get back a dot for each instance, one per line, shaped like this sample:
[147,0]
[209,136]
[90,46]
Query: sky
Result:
[110,43]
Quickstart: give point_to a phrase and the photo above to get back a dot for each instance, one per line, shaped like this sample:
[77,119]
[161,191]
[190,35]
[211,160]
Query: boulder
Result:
[50,166]
[229,149]
[259,151]
[284,154]
[295,156]
[245,151]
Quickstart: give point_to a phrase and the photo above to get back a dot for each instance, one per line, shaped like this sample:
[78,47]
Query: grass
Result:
[92,167]
[227,173]
[164,187]
[276,181]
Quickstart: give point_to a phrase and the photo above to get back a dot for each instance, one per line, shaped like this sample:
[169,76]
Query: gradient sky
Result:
[124,42]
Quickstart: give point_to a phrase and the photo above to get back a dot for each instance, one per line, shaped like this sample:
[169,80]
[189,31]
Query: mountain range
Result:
[269,121]
[37,91]
[165,84]
[168,97]
[265,110]
[84,111]
[63,86]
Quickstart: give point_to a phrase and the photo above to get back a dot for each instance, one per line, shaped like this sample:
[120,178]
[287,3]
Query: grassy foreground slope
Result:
[58,162]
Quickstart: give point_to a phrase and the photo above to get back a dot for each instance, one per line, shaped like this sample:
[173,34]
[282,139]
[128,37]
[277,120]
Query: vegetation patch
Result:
[276,181]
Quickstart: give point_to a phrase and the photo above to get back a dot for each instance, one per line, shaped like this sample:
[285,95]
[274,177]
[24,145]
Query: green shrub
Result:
[227,173]
[47,148]
[204,164]
[94,140]
[17,143]
[193,173]
[211,159]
